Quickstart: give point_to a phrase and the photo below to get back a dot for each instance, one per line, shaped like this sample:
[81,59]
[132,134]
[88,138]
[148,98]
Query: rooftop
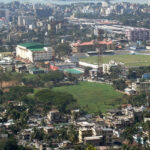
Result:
[33,46]
[73,71]
[90,43]
[93,138]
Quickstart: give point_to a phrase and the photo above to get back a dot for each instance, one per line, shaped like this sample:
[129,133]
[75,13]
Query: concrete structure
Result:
[34,52]
[107,136]
[90,46]
[26,20]
[93,140]
[141,86]
[84,132]
[54,116]
[62,66]
[4,13]
[112,65]
[84,64]
[138,34]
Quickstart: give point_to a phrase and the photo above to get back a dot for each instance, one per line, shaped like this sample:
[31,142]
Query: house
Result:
[36,71]
[129,91]
[54,116]
[93,140]
[113,65]
[48,129]
[65,144]
[107,134]
[84,132]
[141,86]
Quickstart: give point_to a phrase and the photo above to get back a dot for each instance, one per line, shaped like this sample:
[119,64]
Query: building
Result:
[34,52]
[90,46]
[84,132]
[93,140]
[141,86]
[62,66]
[36,70]
[138,34]
[107,136]
[113,65]
[4,13]
[26,20]
[146,76]
[54,116]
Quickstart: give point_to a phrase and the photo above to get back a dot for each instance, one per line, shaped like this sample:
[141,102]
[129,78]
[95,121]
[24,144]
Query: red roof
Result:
[91,43]
[2,19]
[54,68]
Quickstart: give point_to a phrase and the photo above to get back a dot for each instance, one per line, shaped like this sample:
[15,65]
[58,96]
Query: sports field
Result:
[93,97]
[128,60]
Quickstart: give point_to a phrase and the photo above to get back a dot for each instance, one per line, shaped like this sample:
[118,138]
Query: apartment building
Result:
[138,34]
[34,52]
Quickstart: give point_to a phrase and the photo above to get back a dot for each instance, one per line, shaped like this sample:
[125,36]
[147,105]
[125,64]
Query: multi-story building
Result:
[34,52]
[141,86]
[93,140]
[54,116]
[84,132]
[138,34]
[107,136]
[113,65]
[90,46]
[4,13]
[26,20]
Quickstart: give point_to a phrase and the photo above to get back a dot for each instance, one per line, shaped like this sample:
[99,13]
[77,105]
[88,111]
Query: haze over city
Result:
[74,75]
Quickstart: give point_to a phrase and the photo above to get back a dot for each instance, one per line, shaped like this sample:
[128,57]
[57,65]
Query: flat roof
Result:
[33,46]
[73,71]
[93,138]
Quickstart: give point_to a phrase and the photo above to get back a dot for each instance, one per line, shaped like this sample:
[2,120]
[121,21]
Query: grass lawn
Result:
[128,60]
[93,97]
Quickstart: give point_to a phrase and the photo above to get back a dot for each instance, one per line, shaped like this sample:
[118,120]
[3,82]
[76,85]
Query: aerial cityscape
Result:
[75,75]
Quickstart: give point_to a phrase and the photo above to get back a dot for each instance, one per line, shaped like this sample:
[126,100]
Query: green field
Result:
[128,60]
[93,97]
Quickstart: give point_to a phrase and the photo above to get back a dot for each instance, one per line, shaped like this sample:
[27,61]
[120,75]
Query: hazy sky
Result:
[57,1]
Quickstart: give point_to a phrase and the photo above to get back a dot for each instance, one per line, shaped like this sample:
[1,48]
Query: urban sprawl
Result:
[75,77]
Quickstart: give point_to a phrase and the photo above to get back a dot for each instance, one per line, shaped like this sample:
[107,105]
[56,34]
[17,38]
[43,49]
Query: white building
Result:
[26,20]
[34,52]
[111,65]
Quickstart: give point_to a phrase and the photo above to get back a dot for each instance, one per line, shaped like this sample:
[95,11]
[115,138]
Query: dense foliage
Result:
[119,84]
[49,98]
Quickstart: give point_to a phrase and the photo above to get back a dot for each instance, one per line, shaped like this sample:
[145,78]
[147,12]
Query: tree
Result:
[9,144]
[63,49]
[38,134]
[90,147]
[119,84]
[72,134]
[86,71]
[115,72]
[51,98]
